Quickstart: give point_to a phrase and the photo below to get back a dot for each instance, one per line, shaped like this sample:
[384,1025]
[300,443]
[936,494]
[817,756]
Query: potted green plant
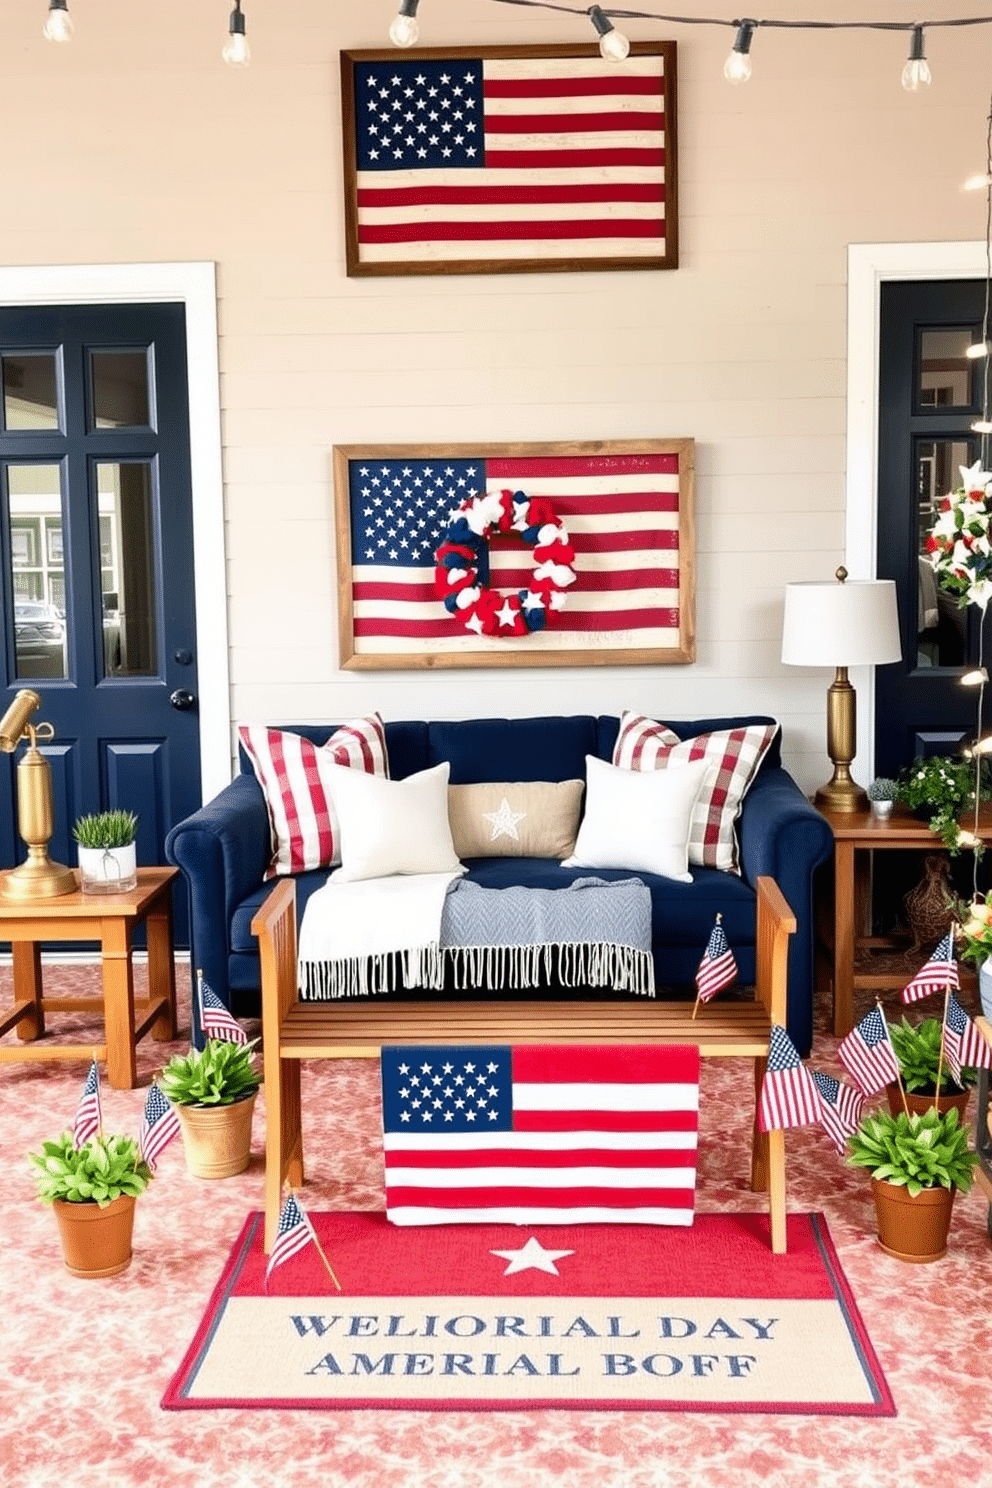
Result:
[92,1190]
[917,1164]
[975,943]
[108,858]
[938,789]
[883,795]
[214,1090]
[917,1047]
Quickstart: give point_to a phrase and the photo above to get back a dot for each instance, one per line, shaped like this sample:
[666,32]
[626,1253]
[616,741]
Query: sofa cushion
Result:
[483,749]
[392,826]
[638,820]
[520,818]
[293,774]
[734,756]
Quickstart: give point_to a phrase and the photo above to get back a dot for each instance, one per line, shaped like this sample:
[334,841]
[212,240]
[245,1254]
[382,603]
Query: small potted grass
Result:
[213,1090]
[917,1048]
[108,854]
[92,1190]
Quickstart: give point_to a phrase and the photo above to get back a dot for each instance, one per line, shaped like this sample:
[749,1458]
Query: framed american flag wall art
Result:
[509,555]
[509,159]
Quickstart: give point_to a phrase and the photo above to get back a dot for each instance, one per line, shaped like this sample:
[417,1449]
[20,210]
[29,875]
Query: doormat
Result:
[501,1317]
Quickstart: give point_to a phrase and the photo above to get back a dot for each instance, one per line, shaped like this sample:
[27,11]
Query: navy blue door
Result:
[96,564]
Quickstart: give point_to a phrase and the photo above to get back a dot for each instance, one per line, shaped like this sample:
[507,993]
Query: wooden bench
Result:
[293,1031]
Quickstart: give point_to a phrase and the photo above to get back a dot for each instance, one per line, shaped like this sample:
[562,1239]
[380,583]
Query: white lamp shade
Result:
[854,623]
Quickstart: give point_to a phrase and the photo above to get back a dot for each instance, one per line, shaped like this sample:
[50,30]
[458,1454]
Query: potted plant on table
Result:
[883,795]
[917,1047]
[214,1091]
[938,790]
[917,1165]
[92,1190]
[108,855]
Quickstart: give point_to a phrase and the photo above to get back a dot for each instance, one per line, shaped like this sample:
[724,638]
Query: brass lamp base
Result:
[841,793]
[38,878]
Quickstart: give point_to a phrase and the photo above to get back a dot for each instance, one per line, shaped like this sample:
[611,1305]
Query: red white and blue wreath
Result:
[461,578]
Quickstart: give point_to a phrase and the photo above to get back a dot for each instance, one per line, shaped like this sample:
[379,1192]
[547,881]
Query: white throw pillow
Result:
[638,819]
[392,826]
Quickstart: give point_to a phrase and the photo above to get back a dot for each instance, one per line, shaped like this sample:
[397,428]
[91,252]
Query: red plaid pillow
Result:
[292,772]
[734,756]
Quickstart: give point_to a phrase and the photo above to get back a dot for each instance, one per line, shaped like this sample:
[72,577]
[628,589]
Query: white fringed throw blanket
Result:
[358,938]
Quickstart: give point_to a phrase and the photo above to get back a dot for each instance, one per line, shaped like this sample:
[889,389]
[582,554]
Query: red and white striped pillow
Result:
[293,774]
[734,756]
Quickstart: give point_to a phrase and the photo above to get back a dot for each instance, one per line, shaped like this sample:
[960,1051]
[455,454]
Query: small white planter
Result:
[108,870]
[985,987]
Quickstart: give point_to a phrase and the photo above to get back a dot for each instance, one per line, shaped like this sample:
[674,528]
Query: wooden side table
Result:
[859,832]
[111,920]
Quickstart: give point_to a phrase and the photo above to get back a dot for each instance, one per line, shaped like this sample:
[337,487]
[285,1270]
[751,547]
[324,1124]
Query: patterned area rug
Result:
[603,1317]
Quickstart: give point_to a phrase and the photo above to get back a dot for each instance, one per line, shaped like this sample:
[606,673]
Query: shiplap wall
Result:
[136,143]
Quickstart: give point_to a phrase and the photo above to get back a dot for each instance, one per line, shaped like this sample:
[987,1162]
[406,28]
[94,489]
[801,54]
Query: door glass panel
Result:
[30,391]
[129,596]
[37,574]
[945,369]
[941,623]
[119,380]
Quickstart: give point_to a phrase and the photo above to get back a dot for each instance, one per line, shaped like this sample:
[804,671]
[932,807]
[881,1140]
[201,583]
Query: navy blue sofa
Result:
[224,848]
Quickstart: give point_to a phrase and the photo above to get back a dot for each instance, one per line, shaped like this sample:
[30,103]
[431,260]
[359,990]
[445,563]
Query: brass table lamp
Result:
[844,624]
[38,877]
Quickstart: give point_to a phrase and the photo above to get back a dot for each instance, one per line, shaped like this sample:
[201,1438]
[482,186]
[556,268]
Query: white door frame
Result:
[194,285]
[868,264]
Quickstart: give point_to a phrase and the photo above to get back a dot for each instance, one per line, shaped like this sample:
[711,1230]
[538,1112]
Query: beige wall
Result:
[136,143]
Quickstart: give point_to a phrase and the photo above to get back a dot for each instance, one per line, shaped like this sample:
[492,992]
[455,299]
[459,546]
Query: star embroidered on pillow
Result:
[504,821]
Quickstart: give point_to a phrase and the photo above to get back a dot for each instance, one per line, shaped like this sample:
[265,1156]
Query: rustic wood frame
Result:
[524,653]
[420,263]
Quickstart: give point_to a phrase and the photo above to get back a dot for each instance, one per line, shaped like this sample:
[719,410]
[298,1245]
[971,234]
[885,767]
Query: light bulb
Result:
[981,426]
[916,74]
[977,349]
[404,30]
[235,52]
[977,183]
[614,46]
[737,68]
[58,24]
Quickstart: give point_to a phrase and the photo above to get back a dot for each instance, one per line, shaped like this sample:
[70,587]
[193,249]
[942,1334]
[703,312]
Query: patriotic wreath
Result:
[461,578]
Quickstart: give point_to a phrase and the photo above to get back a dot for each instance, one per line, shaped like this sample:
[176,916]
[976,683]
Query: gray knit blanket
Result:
[590,933]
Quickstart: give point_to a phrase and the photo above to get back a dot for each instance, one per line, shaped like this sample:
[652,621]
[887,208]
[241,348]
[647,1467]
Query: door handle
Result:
[182,699]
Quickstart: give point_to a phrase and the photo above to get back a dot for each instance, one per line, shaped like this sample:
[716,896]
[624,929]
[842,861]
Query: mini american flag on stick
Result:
[840,1107]
[89,1118]
[159,1124]
[964,1047]
[868,1054]
[718,967]
[215,1020]
[789,1095]
[293,1232]
[936,974]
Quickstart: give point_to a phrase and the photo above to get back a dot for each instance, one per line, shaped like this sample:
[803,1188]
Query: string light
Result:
[613,45]
[235,51]
[737,68]
[58,25]
[404,30]
[916,73]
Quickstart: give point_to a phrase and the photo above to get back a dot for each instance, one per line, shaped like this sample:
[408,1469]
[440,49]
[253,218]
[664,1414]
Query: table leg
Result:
[162,968]
[843,937]
[118,1004]
[27,988]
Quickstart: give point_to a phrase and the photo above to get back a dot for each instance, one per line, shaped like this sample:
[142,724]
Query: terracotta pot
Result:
[918,1103]
[96,1242]
[912,1229]
[217,1139]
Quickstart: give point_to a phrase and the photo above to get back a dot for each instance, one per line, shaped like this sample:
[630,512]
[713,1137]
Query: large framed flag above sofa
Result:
[567,554]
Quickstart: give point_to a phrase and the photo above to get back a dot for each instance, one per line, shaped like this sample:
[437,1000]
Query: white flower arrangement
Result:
[959,543]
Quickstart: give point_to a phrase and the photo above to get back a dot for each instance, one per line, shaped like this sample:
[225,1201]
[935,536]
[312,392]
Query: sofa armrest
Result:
[785,837]
[223,851]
